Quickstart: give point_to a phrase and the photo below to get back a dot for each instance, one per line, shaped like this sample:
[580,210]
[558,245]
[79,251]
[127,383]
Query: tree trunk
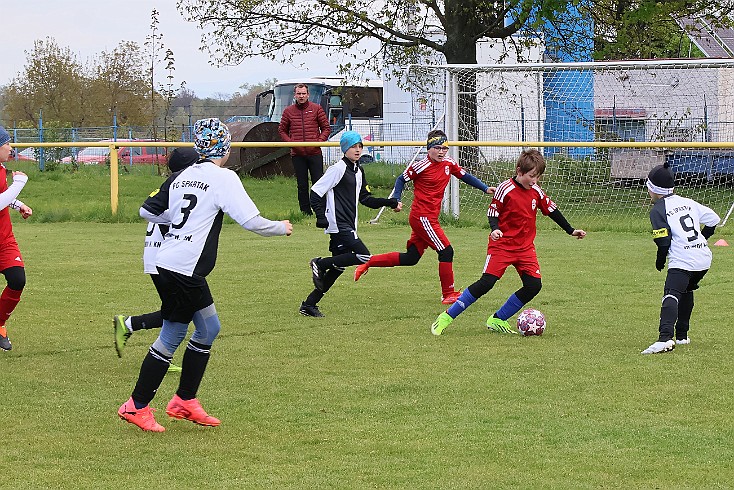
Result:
[462,49]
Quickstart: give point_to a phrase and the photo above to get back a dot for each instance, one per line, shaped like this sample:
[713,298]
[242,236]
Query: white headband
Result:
[663,191]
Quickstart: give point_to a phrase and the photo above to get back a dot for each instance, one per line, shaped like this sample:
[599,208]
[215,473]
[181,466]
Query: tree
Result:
[408,31]
[647,29]
[154,44]
[243,101]
[53,81]
[411,31]
[72,94]
[119,87]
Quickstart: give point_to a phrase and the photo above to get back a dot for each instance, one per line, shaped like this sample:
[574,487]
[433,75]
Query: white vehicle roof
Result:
[331,81]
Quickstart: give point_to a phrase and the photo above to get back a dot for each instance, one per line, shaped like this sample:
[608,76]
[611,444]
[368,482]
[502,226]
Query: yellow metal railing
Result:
[114,164]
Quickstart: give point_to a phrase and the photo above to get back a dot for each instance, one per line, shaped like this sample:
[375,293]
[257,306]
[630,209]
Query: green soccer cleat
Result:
[443,321]
[121,333]
[500,326]
[174,368]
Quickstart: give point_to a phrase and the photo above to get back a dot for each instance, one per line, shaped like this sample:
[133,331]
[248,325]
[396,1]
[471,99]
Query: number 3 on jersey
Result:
[186,211]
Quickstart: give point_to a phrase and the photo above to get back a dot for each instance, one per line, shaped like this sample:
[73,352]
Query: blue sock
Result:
[465,301]
[511,306]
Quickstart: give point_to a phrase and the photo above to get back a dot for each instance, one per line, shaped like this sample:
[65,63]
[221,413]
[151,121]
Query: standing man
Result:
[305,121]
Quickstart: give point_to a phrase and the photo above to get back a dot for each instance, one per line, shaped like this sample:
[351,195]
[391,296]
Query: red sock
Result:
[390,259]
[446,275]
[8,301]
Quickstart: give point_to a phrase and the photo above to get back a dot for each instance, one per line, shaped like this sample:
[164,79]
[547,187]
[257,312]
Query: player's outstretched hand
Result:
[399,207]
[25,211]
[490,190]
[579,234]
[288,227]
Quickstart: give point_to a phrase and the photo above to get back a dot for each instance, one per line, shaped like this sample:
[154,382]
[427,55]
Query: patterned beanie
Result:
[349,139]
[181,158]
[4,136]
[660,180]
[211,138]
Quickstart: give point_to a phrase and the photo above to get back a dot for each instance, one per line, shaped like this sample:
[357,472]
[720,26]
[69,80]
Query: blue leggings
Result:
[206,329]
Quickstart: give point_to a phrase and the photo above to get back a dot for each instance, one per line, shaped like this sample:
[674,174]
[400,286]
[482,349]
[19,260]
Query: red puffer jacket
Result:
[304,123]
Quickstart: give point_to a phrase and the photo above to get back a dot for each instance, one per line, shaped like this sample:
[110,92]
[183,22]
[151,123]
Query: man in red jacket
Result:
[305,121]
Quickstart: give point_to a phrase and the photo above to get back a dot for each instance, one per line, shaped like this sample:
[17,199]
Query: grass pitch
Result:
[367,397]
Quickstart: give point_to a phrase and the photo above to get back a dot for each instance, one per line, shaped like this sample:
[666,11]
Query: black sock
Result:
[194,364]
[314,298]
[146,321]
[154,368]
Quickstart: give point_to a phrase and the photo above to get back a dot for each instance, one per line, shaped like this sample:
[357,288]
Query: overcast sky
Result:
[88,27]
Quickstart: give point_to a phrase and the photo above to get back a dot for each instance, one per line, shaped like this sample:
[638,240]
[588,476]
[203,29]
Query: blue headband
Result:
[436,141]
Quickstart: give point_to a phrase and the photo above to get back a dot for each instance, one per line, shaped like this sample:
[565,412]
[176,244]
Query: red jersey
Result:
[6,227]
[516,208]
[429,183]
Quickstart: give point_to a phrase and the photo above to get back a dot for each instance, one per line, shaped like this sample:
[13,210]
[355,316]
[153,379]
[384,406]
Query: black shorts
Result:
[346,242]
[683,281]
[181,296]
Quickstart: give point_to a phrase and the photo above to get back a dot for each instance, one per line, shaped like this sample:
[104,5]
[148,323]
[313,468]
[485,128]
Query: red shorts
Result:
[525,262]
[10,254]
[426,232]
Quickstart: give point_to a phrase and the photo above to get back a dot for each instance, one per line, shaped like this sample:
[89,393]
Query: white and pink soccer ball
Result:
[531,322]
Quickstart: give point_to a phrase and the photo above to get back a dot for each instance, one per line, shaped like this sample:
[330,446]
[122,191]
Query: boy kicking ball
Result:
[512,216]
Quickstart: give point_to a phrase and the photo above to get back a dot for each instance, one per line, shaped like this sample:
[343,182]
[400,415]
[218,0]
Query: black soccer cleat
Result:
[317,274]
[6,345]
[309,310]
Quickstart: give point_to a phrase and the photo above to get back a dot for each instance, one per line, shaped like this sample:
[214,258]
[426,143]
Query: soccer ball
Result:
[531,322]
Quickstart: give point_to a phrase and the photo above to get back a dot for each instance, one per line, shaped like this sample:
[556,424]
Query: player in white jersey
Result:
[194,202]
[179,159]
[680,229]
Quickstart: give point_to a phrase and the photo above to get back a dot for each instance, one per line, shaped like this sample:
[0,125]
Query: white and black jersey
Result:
[344,187]
[153,240]
[676,223]
[198,197]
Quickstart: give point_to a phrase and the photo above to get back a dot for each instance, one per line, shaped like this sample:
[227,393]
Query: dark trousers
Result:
[675,313]
[303,165]
[346,249]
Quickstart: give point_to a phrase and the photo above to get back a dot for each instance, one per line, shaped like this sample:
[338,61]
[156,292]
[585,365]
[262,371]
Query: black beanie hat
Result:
[660,180]
[181,158]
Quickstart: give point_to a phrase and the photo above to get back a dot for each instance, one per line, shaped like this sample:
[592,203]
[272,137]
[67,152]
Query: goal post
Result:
[601,127]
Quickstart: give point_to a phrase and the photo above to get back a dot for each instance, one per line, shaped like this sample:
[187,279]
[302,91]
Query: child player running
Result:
[430,176]
[124,326]
[677,232]
[334,199]
[193,202]
[512,217]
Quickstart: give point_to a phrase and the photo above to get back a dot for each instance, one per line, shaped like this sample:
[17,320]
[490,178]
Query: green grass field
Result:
[366,397]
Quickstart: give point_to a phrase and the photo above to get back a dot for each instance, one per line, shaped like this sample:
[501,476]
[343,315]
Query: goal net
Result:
[600,126]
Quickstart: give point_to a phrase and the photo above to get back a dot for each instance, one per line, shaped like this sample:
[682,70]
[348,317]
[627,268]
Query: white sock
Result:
[129,324]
